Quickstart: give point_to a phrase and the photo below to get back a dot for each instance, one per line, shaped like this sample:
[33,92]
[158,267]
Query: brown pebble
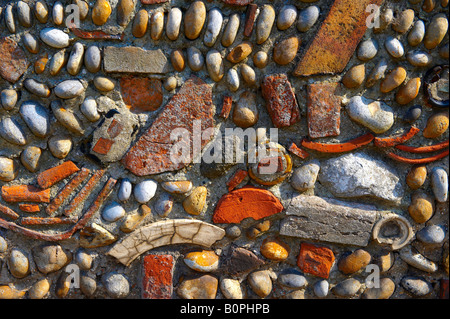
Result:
[393,80]
[404,21]
[286,50]
[140,23]
[354,262]
[416,177]
[275,249]
[240,52]
[408,92]
[178,60]
[385,291]
[355,76]
[428,5]
[421,208]
[101,12]
[437,124]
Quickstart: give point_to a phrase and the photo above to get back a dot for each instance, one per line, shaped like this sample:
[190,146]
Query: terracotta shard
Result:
[25,193]
[50,177]
[157,280]
[294,149]
[141,94]
[29,208]
[13,62]
[236,179]
[250,17]
[8,212]
[191,106]
[237,2]
[315,260]
[48,220]
[226,107]
[96,35]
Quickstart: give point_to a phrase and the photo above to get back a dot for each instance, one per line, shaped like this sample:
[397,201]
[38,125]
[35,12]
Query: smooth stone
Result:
[18,263]
[417,33]
[245,112]
[286,17]
[202,261]
[9,292]
[140,24]
[125,10]
[260,282]
[9,18]
[231,30]
[66,118]
[89,109]
[24,14]
[240,52]
[39,289]
[394,47]
[164,205]
[412,113]
[403,21]
[3,245]
[113,212]
[177,59]
[195,59]
[75,61]
[69,89]
[416,286]
[375,115]
[408,92]
[30,158]
[204,287]
[8,169]
[419,58]
[416,177]
[125,190]
[57,62]
[347,288]
[416,260]
[248,74]
[50,258]
[195,203]
[231,288]
[439,184]
[58,13]
[233,231]
[88,285]
[36,117]
[385,291]
[321,288]
[354,262]
[37,88]
[11,131]
[436,31]
[31,43]
[101,12]
[292,278]
[41,11]
[60,146]
[117,285]
[355,76]
[264,23]
[103,84]
[93,59]
[40,64]
[54,38]
[385,260]
[307,18]
[260,59]
[214,65]
[157,25]
[275,249]
[84,8]
[437,125]
[393,80]
[83,260]
[145,190]
[170,83]
[286,50]
[173,23]
[194,19]
[133,220]
[213,27]
[233,80]
[428,5]
[386,18]
[367,50]
[377,73]
[62,286]
[421,207]
[304,177]
[431,235]
[8,99]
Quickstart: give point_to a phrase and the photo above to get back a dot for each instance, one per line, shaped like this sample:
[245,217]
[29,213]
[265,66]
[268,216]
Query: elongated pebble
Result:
[125,190]
[36,116]
[419,58]
[31,43]
[248,74]
[8,99]
[66,118]
[103,84]
[140,23]
[93,59]
[377,73]
[101,12]
[231,30]
[69,89]
[89,109]
[125,10]
[41,11]
[417,33]
[24,14]
[264,23]
[307,18]
[215,20]
[58,13]
[439,184]
[435,31]
[233,80]
[321,288]
[157,25]
[11,131]
[54,38]
[57,62]
[431,235]
[75,61]
[214,65]
[194,19]
[195,59]
[173,23]
[9,18]
[37,88]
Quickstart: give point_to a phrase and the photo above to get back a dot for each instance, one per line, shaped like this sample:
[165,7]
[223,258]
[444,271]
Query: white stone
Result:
[394,47]
[233,80]
[213,27]
[55,38]
[89,109]
[36,117]
[144,191]
[230,32]
[173,23]
[286,17]
[125,190]
[439,184]
[69,89]
[214,65]
[113,212]
[375,115]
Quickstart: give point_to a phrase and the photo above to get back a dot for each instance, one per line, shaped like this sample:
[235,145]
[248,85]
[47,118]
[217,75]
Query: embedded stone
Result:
[437,125]
[230,32]
[419,58]
[260,282]
[31,43]
[116,285]
[67,118]
[18,263]
[125,190]
[393,80]
[377,73]
[89,109]
[140,24]
[231,288]
[439,184]
[30,158]
[164,205]
[394,47]
[88,285]
[204,287]
[240,52]
[57,62]
[248,75]
[83,7]
[60,146]
[416,286]
[101,12]
[285,51]
[113,212]
[13,62]
[431,235]
[436,31]
[8,292]
[194,19]
[354,262]
[264,23]
[195,58]
[233,80]
[245,113]
[132,221]
[195,203]
[321,288]
[144,191]
[173,23]
[315,260]
[355,76]
[36,117]
[170,83]
[50,258]
[286,17]
[157,25]
[421,207]
[11,131]
[8,169]
[275,249]
[202,261]
[307,18]
[403,21]
[39,289]
[54,38]
[125,10]
[37,88]
[412,113]
[41,11]
[347,288]
[103,84]
[69,89]
[260,59]
[375,115]
[408,92]
[214,65]
[292,278]
[8,99]
[178,60]
[416,260]
[83,260]
[367,50]
[417,33]
[304,177]
[416,177]
[58,13]
[9,17]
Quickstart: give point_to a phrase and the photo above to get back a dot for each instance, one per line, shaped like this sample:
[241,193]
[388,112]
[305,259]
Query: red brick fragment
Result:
[240,3]
[29,208]
[294,149]
[141,94]
[324,110]
[96,35]
[153,1]
[237,178]
[48,220]
[25,193]
[13,62]
[157,278]
[280,100]
[8,212]
[226,107]
[114,128]
[250,17]
[443,293]
[103,146]
[315,260]
[50,177]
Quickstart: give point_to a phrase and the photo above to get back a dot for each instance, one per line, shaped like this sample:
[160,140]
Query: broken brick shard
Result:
[55,174]
[13,62]
[8,212]
[337,38]
[141,94]
[25,193]
[315,260]
[157,280]
[152,153]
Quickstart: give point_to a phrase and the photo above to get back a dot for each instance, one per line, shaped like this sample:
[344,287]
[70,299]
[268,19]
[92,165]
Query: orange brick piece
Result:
[337,38]
[315,260]
[29,208]
[157,279]
[237,178]
[141,94]
[226,107]
[25,193]
[53,175]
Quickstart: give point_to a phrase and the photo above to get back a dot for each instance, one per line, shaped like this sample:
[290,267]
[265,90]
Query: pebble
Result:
[8,292]
[286,17]
[421,207]
[264,23]
[50,258]
[431,235]
[54,38]
[8,169]
[292,278]
[204,287]
[354,262]
[304,177]
[409,91]
[233,231]
[41,11]
[9,18]
[89,109]
[8,99]
[177,187]
[386,18]
[286,50]
[31,43]
[375,115]
[231,30]
[355,76]
[60,146]
[69,89]
[145,190]
[101,12]
[240,52]
[416,286]
[125,10]
[307,18]
[194,19]
[275,249]
[215,20]
[429,5]
[195,203]
[202,261]
[37,88]
[104,84]
[214,65]
[377,73]
[39,289]
[231,288]
[439,184]
[233,80]
[321,288]
[416,177]
[416,260]
[75,61]
[260,282]
[170,83]
[57,62]
[173,23]
[58,13]
[140,24]
[84,8]
[412,113]
[117,285]
[36,116]
[83,260]
[258,229]
[66,117]
[403,21]
[248,74]
[11,131]
[24,14]
[195,59]
[113,212]
[177,59]
[157,25]
[394,47]
[3,245]
[125,190]
[260,59]
[385,260]
[419,58]
[133,220]
[437,125]
[385,291]
[417,33]
[347,288]
[436,31]
[40,64]
[88,285]
[367,50]
[245,112]
[164,205]
[18,263]
[393,80]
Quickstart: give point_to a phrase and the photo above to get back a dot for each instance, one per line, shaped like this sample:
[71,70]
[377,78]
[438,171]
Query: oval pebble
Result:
[164,205]
[177,59]
[39,289]
[412,113]
[194,19]
[215,20]
[292,278]
[41,11]
[37,88]
[125,190]
[385,291]
[195,59]
[157,25]
[431,235]
[260,59]
[403,21]
[145,190]
[36,117]
[321,288]
[386,18]
[419,58]
[117,285]
[83,260]
[286,50]
[9,18]
[31,43]
[89,109]
[248,74]
[347,288]
[75,61]
[367,50]
[18,263]
[57,62]
[101,12]
[170,83]
[307,18]
[30,158]
[304,177]
[393,80]
[417,33]
[286,17]
[140,24]
[233,80]
[54,38]
[416,177]
[354,77]
[104,84]
[214,65]
[354,262]
[439,184]
[202,261]
[437,125]
[416,286]
[421,207]
[408,92]
[8,99]
[231,288]
[24,14]
[113,212]
[204,287]
[375,115]
[394,47]
[245,112]
[8,169]
[264,23]
[88,285]
[231,30]
[173,23]
[260,282]
[58,13]
[3,245]
[240,52]
[275,249]
[66,117]
[195,203]
[435,31]
[69,89]
[125,10]
[60,146]
[11,131]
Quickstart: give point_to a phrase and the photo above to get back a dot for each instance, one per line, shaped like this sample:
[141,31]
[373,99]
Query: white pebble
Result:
[144,191]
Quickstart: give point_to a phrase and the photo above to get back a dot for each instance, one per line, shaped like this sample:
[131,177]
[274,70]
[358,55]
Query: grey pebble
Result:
[394,47]
[347,288]
[417,33]
[31,43]
[419,58]
[24,14]
[54,38]
[307,18]
[416,286]
[113,212]
[195,58]
[439,184]
[88,285]
[164,205]
[11,131]
[117,285]
[125,190]
[8,98]
[286,17]
[37,88]
[367,50]
[433,234]
[92,59]
[36,117]
[292,278]
[321,288]
[412,113]
[305,176]
[69,89]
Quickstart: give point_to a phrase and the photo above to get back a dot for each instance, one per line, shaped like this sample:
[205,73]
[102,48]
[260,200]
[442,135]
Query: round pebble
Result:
[385,291]
[103,84]
[195,59]
[202,261]
[125,190]
[431,235]
[439,184]
[233,231]
[347,288]
[419,58]
[54,38]
[195,203]
[140,24]
[8,169]
[231,30]
[248,74]
[416,177]
[421,207]
[117,285]
[11,131]
[260,282]
[240,52]
[204,287]
[367,50]
[245,112]
[92,59]
[304,177]
[157,25]
[286,17]
[233,80]
[194,19]
[89,109]
[113,212]
[173,23]
[18,263]
[394,47]
[393,80]
[437,125]
[286,50]
[412,113]
[170,83]
[31,43]
[164,205]
[355,76]
[3,245]
[214,65]
[60,146]
[321,288]
[231,288]
[88,285]
[39,289]
[101,12]
[409,91]
[260,59]
[307,18]
[275,249]
[177,59]
[292,278]
[69,89]
[83,260]
[144,191]
[417,33]
[215,20]
[435,31]
[36,116]
[354,261]
[50,258]
[264,23]
[416,286]
[8,99]
[37,88]
[403,21]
